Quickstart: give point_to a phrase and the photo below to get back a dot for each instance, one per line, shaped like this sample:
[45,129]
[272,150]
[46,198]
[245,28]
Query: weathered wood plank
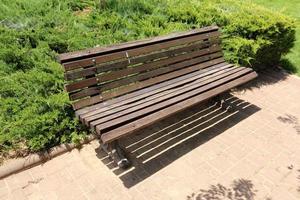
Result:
[92,100]
[81,84]
[73,75]
[156,64]
[154,99]
[168,102]
[129,71]
[154,91]
[152,118]
[145,92]
[160,71]
[136,51]
[92,52]
[140,77]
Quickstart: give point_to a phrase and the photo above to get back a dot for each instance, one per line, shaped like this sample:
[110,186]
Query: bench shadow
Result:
[162,143]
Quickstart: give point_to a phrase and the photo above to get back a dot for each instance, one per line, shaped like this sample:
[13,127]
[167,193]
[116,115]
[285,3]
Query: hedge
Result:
[35,112]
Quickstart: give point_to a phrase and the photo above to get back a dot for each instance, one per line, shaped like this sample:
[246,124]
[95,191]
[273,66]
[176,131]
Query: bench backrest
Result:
[98,74]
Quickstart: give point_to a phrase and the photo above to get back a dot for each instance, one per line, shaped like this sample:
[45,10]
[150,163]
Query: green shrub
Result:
[252,35]
[35,112]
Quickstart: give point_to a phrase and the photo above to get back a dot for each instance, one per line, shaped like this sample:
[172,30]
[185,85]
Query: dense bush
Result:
[34,110]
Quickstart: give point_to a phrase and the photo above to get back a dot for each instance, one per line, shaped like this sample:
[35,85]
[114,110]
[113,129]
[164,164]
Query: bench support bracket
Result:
[116,153]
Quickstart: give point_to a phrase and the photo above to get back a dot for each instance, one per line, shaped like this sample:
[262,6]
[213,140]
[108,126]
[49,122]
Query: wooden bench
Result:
[118,89]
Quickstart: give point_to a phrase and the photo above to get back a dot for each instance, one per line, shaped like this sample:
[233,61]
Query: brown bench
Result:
[118,89]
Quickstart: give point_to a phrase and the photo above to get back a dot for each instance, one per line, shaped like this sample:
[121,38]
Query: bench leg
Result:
[115,152]
[223,104]
[218,100]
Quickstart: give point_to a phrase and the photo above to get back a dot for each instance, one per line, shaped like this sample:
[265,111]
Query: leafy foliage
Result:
[35,112]
[291,61]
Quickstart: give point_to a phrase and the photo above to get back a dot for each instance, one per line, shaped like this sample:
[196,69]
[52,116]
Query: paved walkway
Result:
[202,153]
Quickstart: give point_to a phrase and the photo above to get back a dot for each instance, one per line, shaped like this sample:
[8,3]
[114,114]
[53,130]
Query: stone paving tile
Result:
[35,196]
[252,152]
[239,150]
[17,194]
[4,192]
[280,193]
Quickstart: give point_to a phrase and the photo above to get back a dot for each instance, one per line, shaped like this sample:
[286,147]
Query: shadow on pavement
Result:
[240,189]
[290,120]
[160,144]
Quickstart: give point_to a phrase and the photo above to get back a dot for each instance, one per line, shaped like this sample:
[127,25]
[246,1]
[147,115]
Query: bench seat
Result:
[123,115]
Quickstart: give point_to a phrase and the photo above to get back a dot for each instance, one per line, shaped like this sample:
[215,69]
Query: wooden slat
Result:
[153,92]
[140,77]
[145,92]
[150,119]
[160,71]
[73,75]
[81,84]
[161,53]
[92,52]
[119,74]
[168,102]
[136,51]
[154,99]
[157,64]
[92,100]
